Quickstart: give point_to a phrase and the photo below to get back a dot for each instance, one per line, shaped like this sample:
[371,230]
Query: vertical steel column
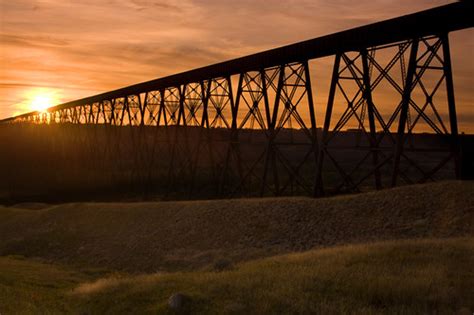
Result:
[161,110]
[233,148]
[182,96]
[142,107]
[231,93]
[124,106]
[274,118]
[312,115]
[451,104]
[112,112]
[100,109]
[235,107]
[367,94]
[205,92]
[130,119]
[404,109]
[269,150]
[319,186]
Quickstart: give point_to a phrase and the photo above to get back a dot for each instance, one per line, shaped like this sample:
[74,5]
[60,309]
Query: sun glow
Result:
[40,103]
[41,99]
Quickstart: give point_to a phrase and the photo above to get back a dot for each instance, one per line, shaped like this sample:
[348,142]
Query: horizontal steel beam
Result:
[439,20]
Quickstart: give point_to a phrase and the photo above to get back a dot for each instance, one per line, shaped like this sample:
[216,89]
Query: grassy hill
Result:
[396,277]
[406,250]
[185,235]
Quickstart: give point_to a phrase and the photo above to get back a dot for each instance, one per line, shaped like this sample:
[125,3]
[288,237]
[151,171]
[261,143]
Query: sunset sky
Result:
[71,49]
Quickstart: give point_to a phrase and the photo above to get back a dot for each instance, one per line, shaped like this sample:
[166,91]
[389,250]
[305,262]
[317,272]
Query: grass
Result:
[394,277]
[407,250]
[29,287]
[170,236]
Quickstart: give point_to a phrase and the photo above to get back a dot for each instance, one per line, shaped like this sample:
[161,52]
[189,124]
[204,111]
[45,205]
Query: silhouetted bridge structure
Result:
[248,126]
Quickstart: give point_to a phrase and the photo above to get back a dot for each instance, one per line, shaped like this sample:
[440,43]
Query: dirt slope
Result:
[145,237]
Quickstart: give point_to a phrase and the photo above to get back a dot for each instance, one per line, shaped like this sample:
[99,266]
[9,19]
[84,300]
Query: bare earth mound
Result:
[144,237]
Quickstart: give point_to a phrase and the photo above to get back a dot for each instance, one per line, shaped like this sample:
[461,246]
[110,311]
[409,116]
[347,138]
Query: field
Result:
[409,277]
[406,250]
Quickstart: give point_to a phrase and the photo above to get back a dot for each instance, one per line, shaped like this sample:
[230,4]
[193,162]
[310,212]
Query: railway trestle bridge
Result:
[249,126]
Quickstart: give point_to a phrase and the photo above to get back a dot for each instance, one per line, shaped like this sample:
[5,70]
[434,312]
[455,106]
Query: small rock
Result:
[177,301]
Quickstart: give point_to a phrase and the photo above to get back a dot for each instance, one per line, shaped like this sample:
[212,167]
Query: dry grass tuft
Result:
[98,285]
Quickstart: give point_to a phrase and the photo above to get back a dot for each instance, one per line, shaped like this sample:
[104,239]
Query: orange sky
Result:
[72,49]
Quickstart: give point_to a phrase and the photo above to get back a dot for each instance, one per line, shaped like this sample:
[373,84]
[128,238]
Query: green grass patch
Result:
[30,287]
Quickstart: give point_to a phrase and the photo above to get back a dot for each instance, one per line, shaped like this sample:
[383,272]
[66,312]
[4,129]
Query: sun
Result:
[40,99]
[41,103]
